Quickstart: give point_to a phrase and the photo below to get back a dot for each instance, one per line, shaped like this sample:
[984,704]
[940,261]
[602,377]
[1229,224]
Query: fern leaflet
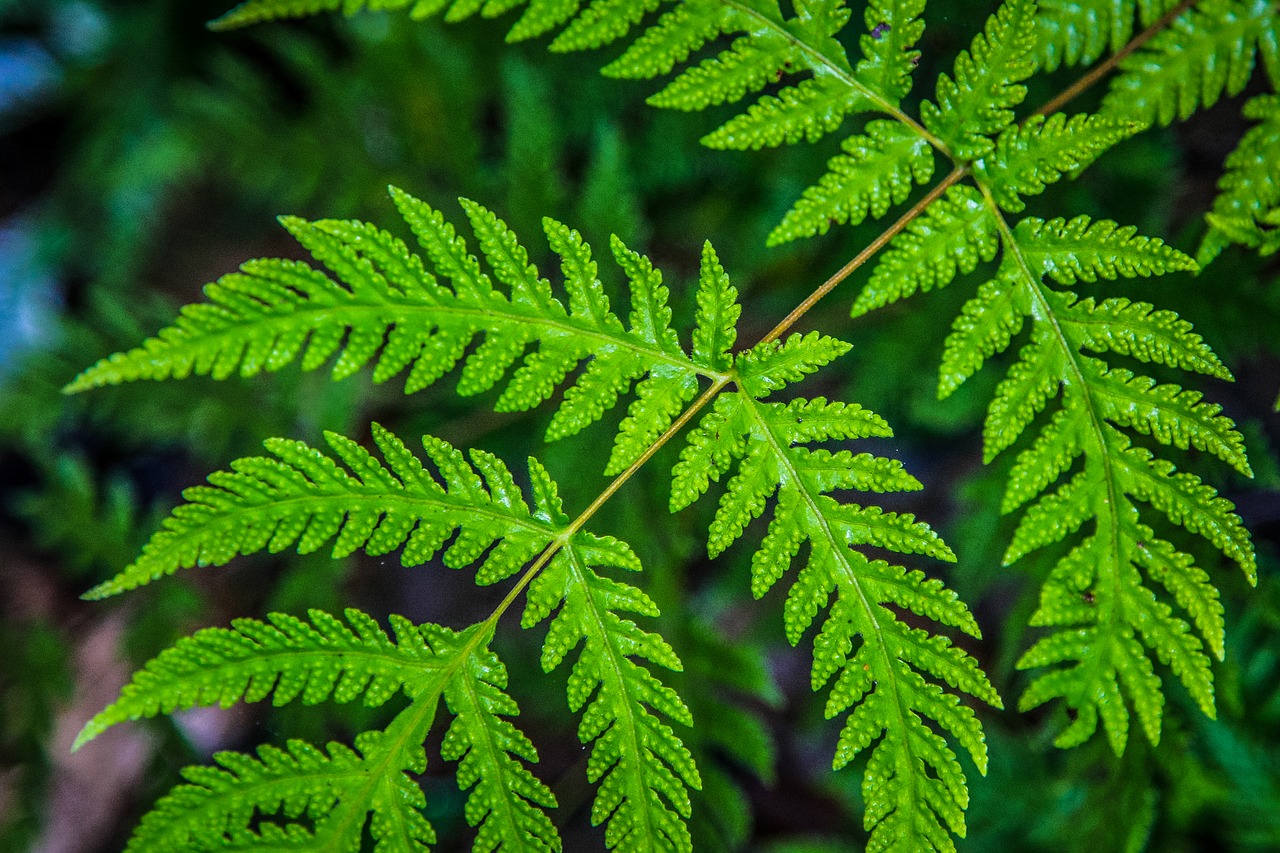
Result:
[1210,49]
[393,312]
[1109,622]
[1247,209]
[978,102]
[1078,32]
[914,787]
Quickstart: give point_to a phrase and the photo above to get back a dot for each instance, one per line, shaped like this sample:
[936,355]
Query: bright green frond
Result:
[887,675]
[1038,152]
[771,366]
[977,102]
[642,767]
[1078,32]
[507,801]
[1247,209]
[302,495]
[285,658]
[1210,49]
[601,22]
[1084,250]
[893,28]
[317,798]
[877,170]
[1083,480]
[986,325]
[1138,330]
[400,311]
[952,235]
[718,310]
[819,85]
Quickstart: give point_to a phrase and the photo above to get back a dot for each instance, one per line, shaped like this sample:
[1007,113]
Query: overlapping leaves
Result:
[306,797]
[304,496]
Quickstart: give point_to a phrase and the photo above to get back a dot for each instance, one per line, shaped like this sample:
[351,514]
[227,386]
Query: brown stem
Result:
[956,175]
[865,255]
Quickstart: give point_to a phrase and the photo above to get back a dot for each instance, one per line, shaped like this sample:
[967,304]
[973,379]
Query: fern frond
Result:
[953,234]
[285,658]
[891,680]
[977,103]
[1247,209]
[643,769]
[308,798]
[1078,32]
[768,47]
[877,170]
[1210,49]
[302,495]
[1109,626]
[507,801]
[1030,156]
[393,311]
[258,11]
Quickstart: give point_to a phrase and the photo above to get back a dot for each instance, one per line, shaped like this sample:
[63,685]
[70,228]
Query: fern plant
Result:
[1122,600]
[274,312]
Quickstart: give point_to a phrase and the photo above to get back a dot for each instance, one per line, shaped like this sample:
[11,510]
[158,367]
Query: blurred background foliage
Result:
[142,156]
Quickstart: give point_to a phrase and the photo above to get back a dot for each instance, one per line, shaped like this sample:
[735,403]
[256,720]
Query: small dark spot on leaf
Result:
[1088,598]
[879,31]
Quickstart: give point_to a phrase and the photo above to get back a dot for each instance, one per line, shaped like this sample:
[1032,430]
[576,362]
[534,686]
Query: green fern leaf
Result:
[877,170]
[986,325]
[914,787]
[978,103]
[771,366]
[1084,250]
[323,797]
[1078,32]
[285,658]
[642,767]
[1108,624]
[507,801]
[952,235]
[768,47]
[602,22]
[304,496]
[1210,49]
[392,311]
[1247,208]
[1030,156]
[718,311]
[893,28]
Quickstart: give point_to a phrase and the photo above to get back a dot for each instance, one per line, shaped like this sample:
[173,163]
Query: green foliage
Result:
[1207,51]
[1247,209]
[1107,466]
[306,497]
[914,787]
[1078,32]
[303,495]
[987,83]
